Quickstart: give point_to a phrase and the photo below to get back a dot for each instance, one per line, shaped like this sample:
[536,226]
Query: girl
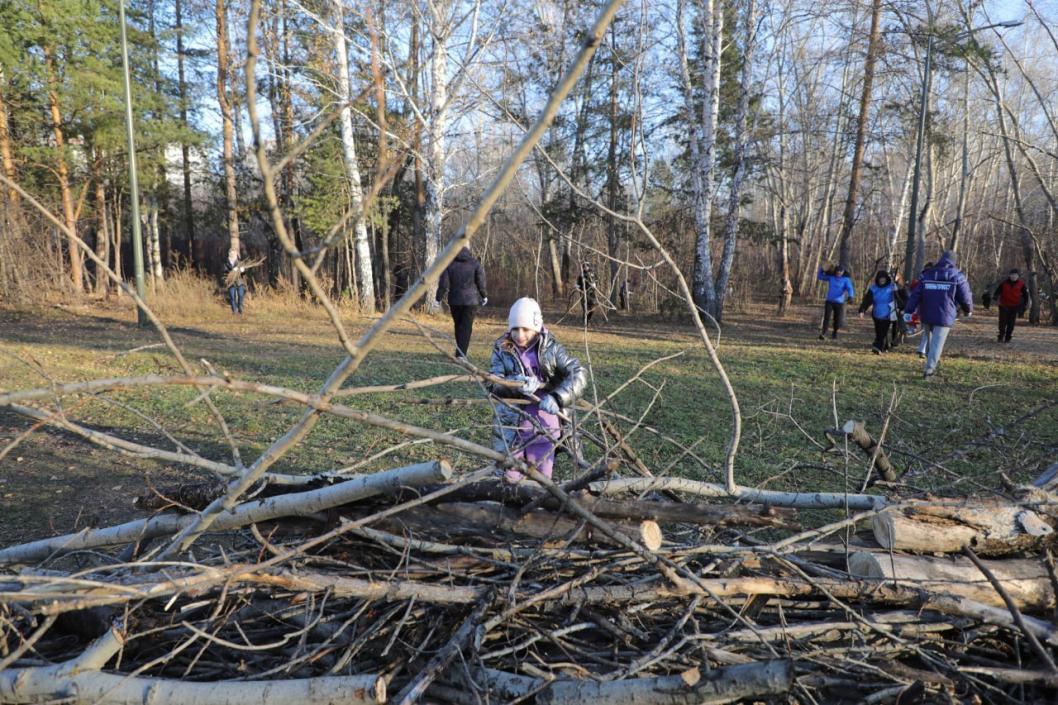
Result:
[530,355]
[881,297]
[839,290]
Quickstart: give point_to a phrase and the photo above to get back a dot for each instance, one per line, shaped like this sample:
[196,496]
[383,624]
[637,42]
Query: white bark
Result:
[364,270]
[440,29]
[748,494]
[294,504]
[54,683]
[702,138]
[727,260]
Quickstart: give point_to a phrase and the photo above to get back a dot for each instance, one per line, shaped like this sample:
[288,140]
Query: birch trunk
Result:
[227,127]
[702,140]
[364,268]
[433,206]
[727,260]
[154,245]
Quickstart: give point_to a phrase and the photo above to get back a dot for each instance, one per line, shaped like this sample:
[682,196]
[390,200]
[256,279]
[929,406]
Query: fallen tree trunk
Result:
[757,679]
[989,527]
[1027,581]
[81,682]
[675,512]
[723,685]
[486,518]
[804,500]
[294,504]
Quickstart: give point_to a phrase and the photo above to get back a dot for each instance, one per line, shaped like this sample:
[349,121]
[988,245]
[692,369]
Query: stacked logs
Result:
[413,585]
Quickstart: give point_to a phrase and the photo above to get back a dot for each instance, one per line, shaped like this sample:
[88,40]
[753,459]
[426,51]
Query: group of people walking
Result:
[930,302]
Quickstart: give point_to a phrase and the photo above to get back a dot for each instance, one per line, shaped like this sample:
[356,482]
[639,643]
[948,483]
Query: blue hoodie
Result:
[939,291]
[882,298]
[839,289]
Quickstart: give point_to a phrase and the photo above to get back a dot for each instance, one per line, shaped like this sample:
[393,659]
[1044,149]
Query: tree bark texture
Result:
[227,120]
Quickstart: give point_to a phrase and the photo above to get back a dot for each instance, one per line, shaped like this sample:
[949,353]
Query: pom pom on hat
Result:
[525,313]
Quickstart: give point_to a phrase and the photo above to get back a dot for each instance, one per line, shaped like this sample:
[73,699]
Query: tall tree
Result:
[227,122]
[364,268]
[440,28]
[62,169]
[848,216]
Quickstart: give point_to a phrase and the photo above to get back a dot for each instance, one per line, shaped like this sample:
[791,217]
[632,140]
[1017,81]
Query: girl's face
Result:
[523,336]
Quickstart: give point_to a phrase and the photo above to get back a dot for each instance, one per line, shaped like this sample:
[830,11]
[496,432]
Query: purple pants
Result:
[538,434]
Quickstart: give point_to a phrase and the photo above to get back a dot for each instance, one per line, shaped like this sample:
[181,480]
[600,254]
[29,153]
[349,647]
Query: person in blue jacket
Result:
[941,289]
[839,290]
[881,298]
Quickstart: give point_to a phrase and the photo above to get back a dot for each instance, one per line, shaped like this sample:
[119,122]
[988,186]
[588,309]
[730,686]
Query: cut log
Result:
[989,527]
[487,518]
[294,504]
[858,433]
[1026,580]
[722,685]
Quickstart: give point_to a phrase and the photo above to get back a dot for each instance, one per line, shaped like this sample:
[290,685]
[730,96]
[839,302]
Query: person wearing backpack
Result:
[463,282]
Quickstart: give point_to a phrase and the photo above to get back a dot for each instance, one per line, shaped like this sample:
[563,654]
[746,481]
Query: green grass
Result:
[784,378]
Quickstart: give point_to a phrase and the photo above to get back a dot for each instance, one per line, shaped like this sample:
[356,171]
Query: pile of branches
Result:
[410,585]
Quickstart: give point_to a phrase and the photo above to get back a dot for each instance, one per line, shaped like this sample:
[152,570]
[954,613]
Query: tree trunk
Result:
[703,153]
[433,206]
[989,527]
[873,49]
[727,260]
[364,268]
[63,173]
[1027,581]
[102,283]
[613,225]
[228,127]
[185,149]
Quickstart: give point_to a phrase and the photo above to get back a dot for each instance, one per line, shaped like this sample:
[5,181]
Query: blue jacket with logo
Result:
[839,289]
[939,291]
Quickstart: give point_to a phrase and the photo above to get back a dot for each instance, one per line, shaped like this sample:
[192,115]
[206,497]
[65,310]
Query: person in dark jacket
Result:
[941,290]
[529,354]
[589,291]
[880,297]
[839,290]
[1013,298]
[235,278]
[463,281]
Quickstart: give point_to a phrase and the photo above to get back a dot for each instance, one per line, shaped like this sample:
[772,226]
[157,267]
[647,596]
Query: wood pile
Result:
[416,585]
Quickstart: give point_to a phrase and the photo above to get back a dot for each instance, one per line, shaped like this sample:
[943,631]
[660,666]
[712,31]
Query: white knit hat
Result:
[525,313]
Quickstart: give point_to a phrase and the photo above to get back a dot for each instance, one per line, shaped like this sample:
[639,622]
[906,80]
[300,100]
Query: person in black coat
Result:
[463,281]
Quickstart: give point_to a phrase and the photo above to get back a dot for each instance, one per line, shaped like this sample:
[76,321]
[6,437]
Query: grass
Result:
[788,385]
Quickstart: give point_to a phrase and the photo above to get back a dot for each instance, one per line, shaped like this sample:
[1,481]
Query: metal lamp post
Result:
[134,186]
[923,109]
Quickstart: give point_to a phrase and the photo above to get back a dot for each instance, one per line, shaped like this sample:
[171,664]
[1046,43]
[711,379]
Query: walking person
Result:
[915,321]
[589,291]
[942,289]
[1013,298]
[880,297]
[839,290]
[463,281]
[529,354]
[235,279]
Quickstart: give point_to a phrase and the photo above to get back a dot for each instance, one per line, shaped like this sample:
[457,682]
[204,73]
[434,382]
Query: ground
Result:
[991,412]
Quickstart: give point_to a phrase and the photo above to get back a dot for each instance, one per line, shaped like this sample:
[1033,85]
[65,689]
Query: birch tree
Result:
[227,126]
[364,267]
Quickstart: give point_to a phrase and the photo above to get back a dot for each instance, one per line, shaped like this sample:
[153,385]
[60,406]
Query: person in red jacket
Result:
[1013,298]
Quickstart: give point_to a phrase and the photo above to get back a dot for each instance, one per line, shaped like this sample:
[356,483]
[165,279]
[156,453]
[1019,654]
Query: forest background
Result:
[757,139]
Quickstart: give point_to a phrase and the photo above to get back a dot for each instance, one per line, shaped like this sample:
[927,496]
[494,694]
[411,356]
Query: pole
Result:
[909,248]
[134,186]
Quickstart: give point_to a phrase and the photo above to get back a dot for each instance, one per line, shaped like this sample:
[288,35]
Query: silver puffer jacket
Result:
[564,378]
